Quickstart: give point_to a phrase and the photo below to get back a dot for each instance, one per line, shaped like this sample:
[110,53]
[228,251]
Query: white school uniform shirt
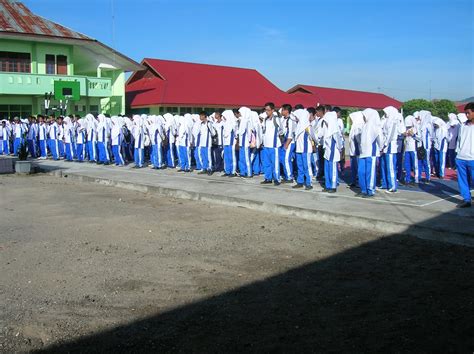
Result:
[206,130]
[80,135]
[53,131]
[42,131]
[440,135]
[465,146]
[33,131]
[304,134]
[371,136]
[271,131]
[219,127]
[288,126]
[330,136]
[230,128]
[357,121]
[244,127]
[185,134]
[19,129]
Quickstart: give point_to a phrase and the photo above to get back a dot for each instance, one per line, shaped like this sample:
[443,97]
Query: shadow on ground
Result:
[395,294]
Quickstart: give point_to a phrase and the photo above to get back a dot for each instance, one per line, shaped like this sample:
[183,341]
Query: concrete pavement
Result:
[427,211]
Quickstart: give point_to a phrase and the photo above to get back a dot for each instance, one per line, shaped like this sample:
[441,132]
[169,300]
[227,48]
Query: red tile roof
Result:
[343,98]
[460,107]
[17,18]
[189,84]
[173,83]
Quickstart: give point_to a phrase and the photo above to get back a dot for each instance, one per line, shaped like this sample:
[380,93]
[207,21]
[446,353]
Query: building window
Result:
[61,65]
[15,62]
[11,111]
[50,64]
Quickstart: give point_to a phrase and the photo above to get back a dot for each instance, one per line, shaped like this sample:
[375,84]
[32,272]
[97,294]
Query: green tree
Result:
[443,107]
[411,106]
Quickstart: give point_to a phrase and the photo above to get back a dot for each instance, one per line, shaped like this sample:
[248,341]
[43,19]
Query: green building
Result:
[37,55]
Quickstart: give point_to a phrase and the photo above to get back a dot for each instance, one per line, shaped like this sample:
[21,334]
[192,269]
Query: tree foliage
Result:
[438,108]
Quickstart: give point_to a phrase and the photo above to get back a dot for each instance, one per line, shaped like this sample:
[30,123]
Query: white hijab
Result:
[303,121]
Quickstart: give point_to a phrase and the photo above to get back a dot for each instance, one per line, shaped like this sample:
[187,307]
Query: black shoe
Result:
[332,190]
[232,175]
[209,173]
[367,196]
[296,186]
[352,185]
[463,205]
[308,188]
[276,183]
[181,170]
[267,181]
[287,181]
[325,190]
[225,175]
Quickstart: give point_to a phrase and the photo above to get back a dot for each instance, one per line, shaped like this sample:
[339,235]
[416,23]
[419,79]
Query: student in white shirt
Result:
[271,144]
[465,156]
[453,128]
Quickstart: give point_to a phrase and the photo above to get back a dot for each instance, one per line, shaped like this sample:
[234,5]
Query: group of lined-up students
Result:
[288,145]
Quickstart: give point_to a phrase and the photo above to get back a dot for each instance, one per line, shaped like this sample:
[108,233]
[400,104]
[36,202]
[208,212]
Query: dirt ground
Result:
[89,268]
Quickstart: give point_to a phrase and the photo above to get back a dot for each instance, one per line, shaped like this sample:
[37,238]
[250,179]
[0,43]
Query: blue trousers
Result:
[388,170]
[314,164]
[303,163]
[425,166]
[271,164]
[103,152]
[451,158]
[230,161]
[465,169]
[54,148]
[32,148]
[206,157]
[1,147]
[116,150]
[411,164]
[6,147]
[286,160]
[69,151]
[157,156]
[197,158]
[184,157]
[139,157]
[80,151]
[367,171]
[217,152]
[354,169]
[256,160]
[92,150]
[16,145]
[171,155]
[330,174]
[244,161]
[42,146]
[399,165]
[440,162]
[61,147]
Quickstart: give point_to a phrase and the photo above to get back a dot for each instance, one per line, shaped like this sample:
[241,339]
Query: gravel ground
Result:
[89,268]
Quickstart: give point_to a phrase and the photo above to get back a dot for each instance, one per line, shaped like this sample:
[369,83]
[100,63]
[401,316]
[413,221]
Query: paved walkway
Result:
[427,211]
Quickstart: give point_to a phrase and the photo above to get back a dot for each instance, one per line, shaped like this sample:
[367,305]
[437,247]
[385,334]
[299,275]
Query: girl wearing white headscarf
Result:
[411,160]
[440,145]
[91,137]
[304,136]
[426,136]
[185,141]
[390,129]
[102,140]
[256,143]
[139,141]
[357,122]
[244,135]
[170,132]
[68,138]
[229,141]
[271,144]
[81,139]
[330,134]
[370,144]
[453,129]
[116,134]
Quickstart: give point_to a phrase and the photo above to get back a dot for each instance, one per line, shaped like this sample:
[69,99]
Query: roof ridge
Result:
[189,62]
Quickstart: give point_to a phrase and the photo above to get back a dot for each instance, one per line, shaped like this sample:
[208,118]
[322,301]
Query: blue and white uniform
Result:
[304,140]
[185,141]
[390,130]
[81,140]
[330,135]
[440,144]
[453,128]
[244,135]
[411,140]
[287,156]
[91,137]
[426,136]
[370,145]
[271,144]
[465,159]
[229,141]
[357,122]
[53,140]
